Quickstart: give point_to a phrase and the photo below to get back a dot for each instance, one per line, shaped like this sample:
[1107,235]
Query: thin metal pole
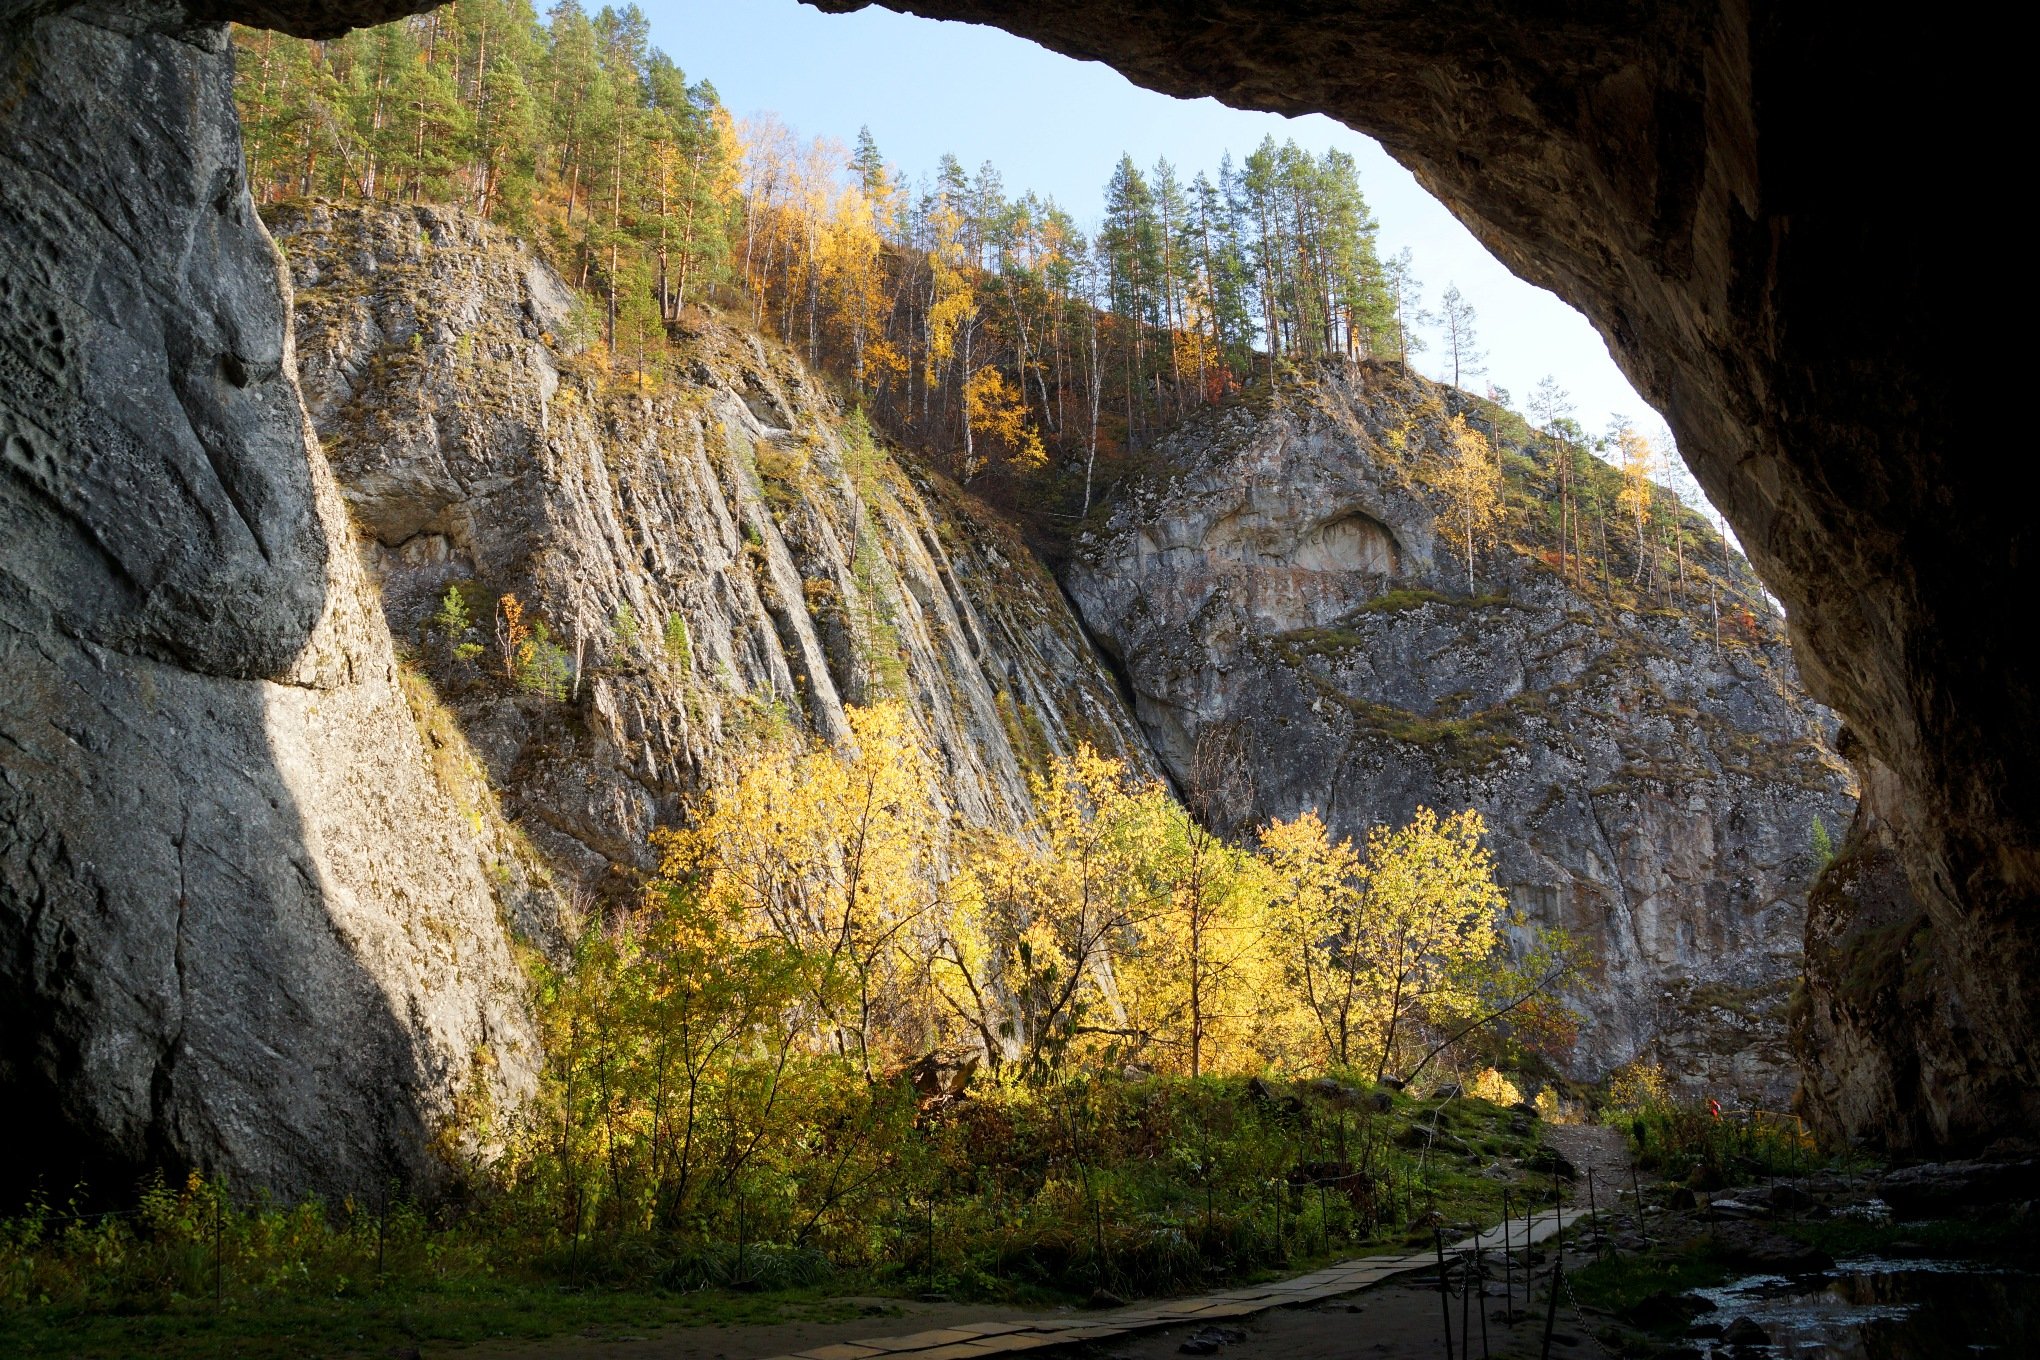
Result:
[1480,1275]
[1508,1261]
[1551,1308]
[1444,1290]
[1465,1303]
[1642,1223]
[1594,1213]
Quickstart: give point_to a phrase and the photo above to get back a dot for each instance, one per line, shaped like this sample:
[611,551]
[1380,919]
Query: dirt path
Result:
[1404,1320]
[727,1341]
[1397,1321]
[1601,1150]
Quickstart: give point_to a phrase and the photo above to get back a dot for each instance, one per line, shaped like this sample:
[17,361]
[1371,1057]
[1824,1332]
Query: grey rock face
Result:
[1284,588]
[240,924]
[479,446]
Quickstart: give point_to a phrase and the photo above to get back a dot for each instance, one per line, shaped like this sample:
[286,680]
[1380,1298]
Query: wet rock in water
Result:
[1757,1247]
[1744,1332]
[1736,1208]
[1665,1310]
[1937,1188]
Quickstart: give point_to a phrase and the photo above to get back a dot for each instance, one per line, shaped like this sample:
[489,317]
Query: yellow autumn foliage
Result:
[1113,930]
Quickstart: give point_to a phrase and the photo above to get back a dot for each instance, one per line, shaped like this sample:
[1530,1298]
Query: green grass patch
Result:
[1620,1282]
[371,1320]
[1402,599]
[1138,1186]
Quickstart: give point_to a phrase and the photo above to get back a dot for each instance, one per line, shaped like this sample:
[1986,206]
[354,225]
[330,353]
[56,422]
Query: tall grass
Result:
[1128,1186]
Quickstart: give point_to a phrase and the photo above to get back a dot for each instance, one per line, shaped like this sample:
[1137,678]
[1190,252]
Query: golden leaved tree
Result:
[1471,481]
[1194,986]
[1039,920]
[1637,460]
[1315,901]
[1432,909]
[1401,948]
[834,853]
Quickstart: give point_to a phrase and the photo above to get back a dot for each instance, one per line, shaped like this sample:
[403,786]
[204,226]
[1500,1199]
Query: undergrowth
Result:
[1131,1186]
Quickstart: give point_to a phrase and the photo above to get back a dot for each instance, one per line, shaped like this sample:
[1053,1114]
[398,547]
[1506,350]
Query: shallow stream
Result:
[1875,1308]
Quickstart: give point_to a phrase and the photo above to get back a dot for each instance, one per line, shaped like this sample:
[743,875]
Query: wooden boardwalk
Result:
[969,1342]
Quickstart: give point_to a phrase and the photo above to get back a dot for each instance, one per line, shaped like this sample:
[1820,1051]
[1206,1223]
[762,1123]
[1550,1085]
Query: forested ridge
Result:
[975,323]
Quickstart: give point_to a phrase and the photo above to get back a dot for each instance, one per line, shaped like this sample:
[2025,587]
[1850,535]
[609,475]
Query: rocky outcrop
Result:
[1650,783]
[1876,965]
[717,550]
[242,925]
[1705,181]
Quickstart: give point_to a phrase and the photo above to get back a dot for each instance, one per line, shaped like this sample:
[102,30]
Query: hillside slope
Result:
[718,551]
[1283,584]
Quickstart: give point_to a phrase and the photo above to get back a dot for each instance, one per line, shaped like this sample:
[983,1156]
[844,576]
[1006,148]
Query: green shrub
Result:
[679,646]
[542,665]
[623,626]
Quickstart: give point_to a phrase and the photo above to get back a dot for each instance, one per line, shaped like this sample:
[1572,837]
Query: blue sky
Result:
[1058,126]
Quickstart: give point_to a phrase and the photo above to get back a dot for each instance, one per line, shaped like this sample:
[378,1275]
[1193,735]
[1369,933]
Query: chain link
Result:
[1573,1299]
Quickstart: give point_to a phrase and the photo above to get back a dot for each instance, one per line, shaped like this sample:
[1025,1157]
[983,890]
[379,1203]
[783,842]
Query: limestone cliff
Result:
[242,924]
[715,547]
[1283,584]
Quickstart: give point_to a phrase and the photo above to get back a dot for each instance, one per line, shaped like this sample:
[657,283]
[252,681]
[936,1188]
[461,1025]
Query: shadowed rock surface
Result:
[241,924]
[1283,586]
[1708,182]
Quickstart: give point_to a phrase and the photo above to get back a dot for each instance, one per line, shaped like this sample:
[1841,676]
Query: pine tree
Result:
[1456,320]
